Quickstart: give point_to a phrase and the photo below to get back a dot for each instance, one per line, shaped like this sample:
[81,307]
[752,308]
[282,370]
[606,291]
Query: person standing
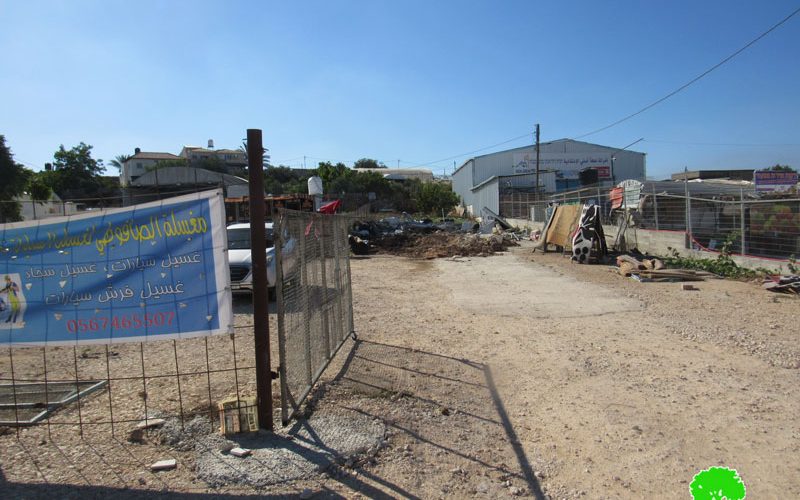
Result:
[12,289]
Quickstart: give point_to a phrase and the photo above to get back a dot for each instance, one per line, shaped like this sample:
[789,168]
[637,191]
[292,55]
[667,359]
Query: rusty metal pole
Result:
[258,246]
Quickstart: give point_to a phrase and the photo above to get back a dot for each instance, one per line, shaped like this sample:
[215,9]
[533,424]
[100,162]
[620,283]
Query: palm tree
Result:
[119,160]
[265,156]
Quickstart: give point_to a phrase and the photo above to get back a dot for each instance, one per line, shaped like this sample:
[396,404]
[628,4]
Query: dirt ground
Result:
[518,374]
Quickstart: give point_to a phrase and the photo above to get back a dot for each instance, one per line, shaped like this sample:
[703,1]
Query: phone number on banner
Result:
[132,321]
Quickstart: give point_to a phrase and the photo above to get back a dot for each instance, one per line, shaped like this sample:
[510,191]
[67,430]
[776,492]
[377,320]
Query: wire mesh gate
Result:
[315,300]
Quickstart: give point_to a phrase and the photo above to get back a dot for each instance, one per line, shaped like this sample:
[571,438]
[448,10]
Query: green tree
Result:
[14,180]
[330,173]
[265,156]
[433,197]
[284,180]
[168,163]
[37,188]
[368,163]
[119,160]
[781,168]
[75,173]
[78,161]
[212,163]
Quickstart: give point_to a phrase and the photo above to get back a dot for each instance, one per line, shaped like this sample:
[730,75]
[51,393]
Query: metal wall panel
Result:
[462,183]
[487,196]
[627,165]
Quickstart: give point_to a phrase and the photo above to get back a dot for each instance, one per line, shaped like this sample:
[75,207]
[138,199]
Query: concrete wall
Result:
[650,241]
[133,169]
[521,223]
[655,242]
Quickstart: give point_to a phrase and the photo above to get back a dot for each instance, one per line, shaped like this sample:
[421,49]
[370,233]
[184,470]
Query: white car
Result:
[240,259]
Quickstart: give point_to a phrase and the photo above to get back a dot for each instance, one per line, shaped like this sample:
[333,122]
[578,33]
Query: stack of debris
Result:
[443,244]
[653,270]
[783,284]
[408,237]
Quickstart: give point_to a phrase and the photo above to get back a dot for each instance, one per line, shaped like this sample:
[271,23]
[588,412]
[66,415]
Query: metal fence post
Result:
[742,224]
[688,209]
[655,205]
[324,289]
[255,154]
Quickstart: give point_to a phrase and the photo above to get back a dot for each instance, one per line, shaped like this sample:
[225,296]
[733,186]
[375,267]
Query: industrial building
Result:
[564,164]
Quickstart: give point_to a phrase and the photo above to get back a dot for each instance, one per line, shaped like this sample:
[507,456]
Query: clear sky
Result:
[415,81]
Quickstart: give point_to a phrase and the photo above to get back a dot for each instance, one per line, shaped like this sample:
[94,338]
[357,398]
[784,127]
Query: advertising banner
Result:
[568,165]
[772,180]
[147,272]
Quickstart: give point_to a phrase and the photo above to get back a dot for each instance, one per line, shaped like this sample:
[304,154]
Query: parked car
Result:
[240,257]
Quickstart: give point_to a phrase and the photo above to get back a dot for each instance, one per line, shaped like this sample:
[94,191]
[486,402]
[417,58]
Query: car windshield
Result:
[239,239]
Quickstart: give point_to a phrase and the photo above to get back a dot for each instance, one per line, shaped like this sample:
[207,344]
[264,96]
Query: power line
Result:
[526,135]
[742,144]
[682,87]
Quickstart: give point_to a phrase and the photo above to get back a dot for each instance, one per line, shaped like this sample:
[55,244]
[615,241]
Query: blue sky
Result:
[415,81]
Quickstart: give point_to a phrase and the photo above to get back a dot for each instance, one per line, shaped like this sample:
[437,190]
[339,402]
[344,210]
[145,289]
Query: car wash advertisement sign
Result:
[566,165]
[146,272]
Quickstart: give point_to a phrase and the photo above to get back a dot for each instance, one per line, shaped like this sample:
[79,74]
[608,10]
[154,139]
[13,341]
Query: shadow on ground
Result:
[451,406]
[449,409]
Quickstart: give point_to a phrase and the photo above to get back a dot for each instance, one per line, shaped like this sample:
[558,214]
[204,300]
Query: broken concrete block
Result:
[164,465]
[150,423]
[240,452]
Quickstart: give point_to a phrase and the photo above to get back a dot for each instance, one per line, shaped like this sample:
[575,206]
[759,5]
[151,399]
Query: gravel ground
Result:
[514,375]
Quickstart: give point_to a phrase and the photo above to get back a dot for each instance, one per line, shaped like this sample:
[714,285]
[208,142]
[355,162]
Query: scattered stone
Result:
[136,436]
[226,447]
[164,465]
[515,491]
[150,423]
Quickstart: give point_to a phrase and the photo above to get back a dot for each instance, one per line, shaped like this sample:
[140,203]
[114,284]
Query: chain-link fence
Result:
[96,389]
[315,304]
[730,216]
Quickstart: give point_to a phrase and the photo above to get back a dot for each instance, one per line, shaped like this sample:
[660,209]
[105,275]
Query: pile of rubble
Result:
[442,244]
[422,239]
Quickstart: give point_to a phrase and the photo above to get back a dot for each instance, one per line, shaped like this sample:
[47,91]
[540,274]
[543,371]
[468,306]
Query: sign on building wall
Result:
[773,180]
[147,272]
[567,164]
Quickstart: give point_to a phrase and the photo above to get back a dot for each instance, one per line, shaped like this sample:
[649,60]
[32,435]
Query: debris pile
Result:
[423,239]
[653,270]
[783,284]
[442,244]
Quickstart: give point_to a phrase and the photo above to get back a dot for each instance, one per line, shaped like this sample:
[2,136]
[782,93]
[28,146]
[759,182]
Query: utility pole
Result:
[259,259]
[537,161]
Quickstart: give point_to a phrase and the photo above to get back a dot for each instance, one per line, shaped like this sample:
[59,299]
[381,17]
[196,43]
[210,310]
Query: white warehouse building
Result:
[481,181]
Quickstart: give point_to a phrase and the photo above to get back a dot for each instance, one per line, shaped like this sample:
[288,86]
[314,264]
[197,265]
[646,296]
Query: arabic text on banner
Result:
[147,272]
